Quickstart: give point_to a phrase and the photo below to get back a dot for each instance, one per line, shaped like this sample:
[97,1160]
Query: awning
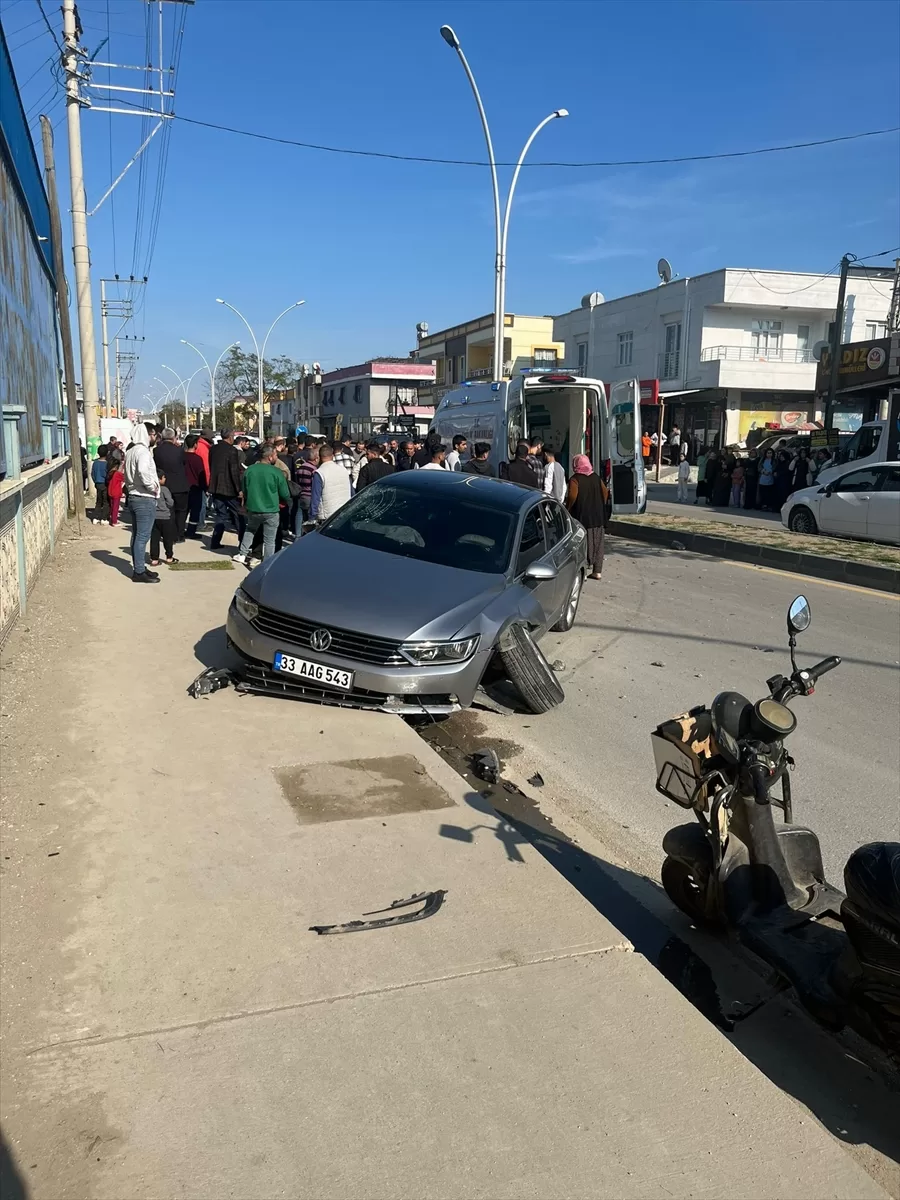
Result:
[687,392]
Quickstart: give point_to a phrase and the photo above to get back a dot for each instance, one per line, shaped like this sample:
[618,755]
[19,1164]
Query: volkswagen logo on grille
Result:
[320,639]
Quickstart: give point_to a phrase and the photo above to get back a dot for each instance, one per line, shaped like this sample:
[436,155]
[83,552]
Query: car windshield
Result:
[459,533]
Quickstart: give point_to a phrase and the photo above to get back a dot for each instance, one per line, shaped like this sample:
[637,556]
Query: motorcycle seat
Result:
[872,884]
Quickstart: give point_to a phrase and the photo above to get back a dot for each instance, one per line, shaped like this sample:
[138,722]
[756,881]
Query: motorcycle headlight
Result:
[428,653]
[246,607]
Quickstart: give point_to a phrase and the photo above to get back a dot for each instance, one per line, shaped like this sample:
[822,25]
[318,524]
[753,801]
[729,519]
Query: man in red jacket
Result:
[198,481]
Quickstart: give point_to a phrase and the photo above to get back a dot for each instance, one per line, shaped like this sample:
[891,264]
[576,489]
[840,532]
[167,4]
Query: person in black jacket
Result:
[374,468]
[426,454]
[478,464]
[169,459]
[519,470]
[226,488]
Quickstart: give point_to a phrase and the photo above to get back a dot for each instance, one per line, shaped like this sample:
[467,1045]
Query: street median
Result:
[863,564]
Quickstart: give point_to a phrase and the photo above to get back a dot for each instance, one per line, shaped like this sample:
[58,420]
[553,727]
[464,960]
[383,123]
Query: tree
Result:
[237,384]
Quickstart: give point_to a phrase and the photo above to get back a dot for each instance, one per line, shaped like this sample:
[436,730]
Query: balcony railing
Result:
[751,354]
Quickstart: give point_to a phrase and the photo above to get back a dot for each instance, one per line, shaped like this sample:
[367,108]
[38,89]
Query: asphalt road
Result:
[712,626]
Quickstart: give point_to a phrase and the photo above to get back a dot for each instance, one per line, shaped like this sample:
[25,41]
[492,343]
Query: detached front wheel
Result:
[528,669]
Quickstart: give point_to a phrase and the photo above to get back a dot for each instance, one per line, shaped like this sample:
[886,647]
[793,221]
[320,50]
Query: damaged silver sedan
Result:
[402,599]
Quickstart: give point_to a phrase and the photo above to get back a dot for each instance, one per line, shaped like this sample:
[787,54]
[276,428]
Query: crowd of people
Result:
[753,480]
[276,490]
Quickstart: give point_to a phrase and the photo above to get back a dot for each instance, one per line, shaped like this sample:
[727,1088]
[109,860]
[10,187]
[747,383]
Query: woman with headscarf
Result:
[784,476]
[586,500]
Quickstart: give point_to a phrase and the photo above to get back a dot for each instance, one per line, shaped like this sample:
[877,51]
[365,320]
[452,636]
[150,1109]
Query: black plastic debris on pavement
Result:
[486,765]
[537,779]
[432,903]
[213,679]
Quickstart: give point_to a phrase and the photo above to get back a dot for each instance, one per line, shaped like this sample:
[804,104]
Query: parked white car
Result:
[862,502]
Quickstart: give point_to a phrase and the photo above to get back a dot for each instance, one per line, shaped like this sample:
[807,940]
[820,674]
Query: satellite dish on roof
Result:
[664,270]
[592,299]
[818,349]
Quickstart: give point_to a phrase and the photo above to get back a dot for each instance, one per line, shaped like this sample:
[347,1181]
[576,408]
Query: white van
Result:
[570,414]
[874,442]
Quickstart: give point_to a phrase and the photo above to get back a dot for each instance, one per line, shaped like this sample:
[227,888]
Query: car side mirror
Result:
[540,570]
[799,615]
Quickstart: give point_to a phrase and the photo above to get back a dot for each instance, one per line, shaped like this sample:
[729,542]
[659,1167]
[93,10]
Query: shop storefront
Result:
[700,416]
[867,374]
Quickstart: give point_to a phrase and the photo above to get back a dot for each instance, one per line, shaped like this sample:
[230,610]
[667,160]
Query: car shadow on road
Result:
[212,649]
[845,1084]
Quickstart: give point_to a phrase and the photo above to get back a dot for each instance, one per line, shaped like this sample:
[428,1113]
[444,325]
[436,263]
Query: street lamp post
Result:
[501,229]
[260,357]
[212,372]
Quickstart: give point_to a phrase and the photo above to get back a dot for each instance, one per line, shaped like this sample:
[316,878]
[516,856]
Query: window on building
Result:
[439,364]
[765,338]
[341,396]
[545,357]
[461,368]
[802,337]
[671,363]
[626,348]
[357,393]
[876,329]
[582,349]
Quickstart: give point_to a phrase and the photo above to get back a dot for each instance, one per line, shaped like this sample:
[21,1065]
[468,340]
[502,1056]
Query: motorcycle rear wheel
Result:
[687,890]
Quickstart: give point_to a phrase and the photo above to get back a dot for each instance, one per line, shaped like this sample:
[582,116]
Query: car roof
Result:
[493,493]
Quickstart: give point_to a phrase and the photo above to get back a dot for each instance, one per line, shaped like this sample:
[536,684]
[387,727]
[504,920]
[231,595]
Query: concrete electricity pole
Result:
[65,328]
[80,252]
[837,334]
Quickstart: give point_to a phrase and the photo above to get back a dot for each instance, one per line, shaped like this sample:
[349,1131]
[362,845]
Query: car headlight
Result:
[246,607]
[427,653]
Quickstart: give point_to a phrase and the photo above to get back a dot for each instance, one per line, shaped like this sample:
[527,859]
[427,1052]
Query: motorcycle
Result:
[736,870]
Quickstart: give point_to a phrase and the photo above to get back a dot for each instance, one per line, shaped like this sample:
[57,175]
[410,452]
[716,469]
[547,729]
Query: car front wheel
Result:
[801,520]
[529,670]
[567,616]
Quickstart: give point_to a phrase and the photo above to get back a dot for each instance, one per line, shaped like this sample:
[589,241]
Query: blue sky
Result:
[375,246]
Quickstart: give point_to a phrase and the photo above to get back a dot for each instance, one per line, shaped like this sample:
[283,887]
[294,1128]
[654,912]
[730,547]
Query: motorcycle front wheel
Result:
[687,889]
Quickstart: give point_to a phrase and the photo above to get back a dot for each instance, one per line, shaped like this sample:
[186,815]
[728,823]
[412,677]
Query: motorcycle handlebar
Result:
[827,664]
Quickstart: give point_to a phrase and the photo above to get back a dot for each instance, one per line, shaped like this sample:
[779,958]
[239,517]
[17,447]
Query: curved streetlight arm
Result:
[259,364]
[262,361]
[560,112]
[453,41]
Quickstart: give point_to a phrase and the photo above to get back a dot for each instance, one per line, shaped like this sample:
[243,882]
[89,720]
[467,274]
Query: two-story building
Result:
[383,391]
[467,351]
[732,349]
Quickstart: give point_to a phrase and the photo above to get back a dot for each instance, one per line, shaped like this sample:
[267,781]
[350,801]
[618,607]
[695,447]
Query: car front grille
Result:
[345,643]
[261,679]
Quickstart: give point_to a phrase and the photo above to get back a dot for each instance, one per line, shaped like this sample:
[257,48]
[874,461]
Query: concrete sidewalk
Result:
[171,1027]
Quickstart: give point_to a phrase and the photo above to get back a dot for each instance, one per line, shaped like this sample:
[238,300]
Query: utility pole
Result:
[81,254]
[103,315]
[836,335]
[893,320]
[65,328]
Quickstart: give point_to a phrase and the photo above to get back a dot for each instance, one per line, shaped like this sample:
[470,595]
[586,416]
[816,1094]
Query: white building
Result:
[732,349]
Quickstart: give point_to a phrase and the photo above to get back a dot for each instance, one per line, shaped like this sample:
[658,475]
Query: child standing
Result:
[737,486]
[98,478]
[684,476]
[115,485]
[163,526]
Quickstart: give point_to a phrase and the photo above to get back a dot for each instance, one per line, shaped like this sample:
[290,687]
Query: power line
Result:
[468,162]
[50,28]
[880,254]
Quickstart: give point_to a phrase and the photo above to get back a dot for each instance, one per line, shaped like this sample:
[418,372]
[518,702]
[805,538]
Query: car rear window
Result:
[411,524]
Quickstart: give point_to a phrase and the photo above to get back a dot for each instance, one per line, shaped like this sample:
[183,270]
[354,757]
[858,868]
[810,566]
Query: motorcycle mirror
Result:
[799,616]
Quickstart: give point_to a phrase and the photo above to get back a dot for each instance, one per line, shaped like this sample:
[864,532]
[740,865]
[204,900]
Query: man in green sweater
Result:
[264,486]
